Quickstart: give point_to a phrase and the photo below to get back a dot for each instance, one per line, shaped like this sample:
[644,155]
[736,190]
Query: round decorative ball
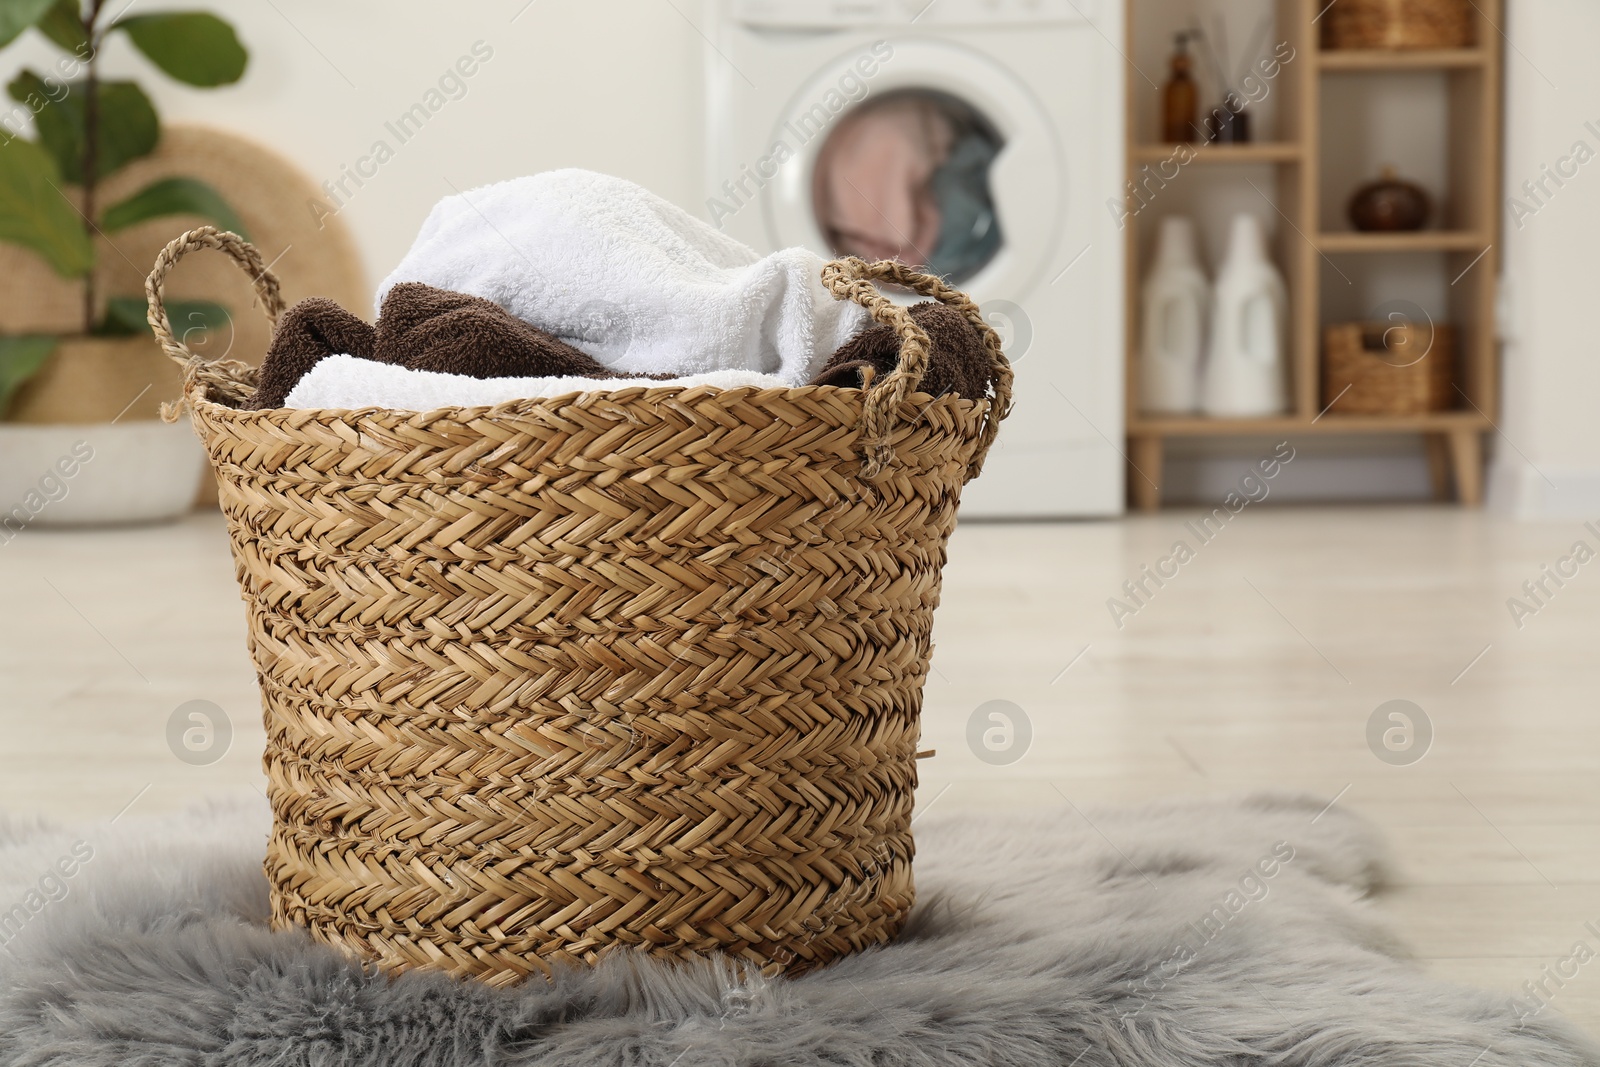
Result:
[1390,205]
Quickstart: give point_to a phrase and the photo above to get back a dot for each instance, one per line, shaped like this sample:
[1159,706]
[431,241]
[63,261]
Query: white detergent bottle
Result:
[1246,371]
[1173,337]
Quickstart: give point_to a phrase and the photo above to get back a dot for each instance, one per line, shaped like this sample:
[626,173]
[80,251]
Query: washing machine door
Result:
[947,161]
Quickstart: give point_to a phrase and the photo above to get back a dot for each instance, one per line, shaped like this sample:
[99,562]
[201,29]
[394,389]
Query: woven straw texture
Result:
[637,669]
[1386,368]
[1399,24]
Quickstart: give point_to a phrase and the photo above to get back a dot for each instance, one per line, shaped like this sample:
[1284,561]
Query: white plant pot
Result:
[95,474]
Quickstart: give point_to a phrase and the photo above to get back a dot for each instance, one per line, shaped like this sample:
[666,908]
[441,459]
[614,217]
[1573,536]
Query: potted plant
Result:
[85,129]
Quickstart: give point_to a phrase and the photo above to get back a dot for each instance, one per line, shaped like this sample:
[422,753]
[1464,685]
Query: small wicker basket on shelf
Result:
[1398,24]
[634,669]
[1382,368]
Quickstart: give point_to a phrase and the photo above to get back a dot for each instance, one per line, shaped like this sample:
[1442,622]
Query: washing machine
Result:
[981,139]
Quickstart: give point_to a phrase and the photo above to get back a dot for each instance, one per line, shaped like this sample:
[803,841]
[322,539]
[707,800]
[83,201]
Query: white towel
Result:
[349,382]
[636,282]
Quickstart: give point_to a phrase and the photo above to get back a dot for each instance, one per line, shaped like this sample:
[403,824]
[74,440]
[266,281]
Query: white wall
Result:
[1548,462]
[613,85]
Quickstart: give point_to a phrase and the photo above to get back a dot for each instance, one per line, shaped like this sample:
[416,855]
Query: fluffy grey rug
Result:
[1184,933]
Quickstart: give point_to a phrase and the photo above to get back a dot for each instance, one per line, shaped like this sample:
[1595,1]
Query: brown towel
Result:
[422,328]
[452,333]
[957,360]
[310,330]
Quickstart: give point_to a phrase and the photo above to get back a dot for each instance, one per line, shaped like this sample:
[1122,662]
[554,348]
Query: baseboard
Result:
[1522,492]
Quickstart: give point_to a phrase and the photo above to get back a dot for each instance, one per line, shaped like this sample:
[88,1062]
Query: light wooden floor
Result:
[1258,665]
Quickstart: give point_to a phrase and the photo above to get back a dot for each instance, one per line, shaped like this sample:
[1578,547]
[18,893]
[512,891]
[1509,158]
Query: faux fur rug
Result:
[1183,933]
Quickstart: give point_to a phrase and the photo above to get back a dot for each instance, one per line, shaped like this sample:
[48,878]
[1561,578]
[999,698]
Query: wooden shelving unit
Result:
[1270,152]
[1309,251]
[1444,58]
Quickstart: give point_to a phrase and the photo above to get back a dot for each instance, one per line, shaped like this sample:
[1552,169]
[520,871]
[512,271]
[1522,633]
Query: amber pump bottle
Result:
[1179,98]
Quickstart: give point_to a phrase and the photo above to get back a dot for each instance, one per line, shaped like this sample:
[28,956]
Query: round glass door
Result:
[906,175]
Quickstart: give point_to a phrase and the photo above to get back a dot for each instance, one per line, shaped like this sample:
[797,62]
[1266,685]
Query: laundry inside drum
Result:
[906,176]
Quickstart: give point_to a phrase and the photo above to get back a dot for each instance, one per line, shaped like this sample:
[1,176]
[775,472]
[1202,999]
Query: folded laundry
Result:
[306,333]
[347,382]
[648,295]
[957,361]
[676,295]
[422,328]
[453,333]
[432,348]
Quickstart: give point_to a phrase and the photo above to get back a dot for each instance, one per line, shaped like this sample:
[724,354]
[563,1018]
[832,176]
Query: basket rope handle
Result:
[851,278]
[227,380]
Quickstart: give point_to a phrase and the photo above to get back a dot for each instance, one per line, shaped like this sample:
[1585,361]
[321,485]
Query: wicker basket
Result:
[1381,368]
[1398,24]
[638,668]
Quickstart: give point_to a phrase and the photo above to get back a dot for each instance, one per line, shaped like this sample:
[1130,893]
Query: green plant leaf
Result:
[191,46]
[126,317]
[173,196]
[18,15]
[63,24]
[129,128]
[20,359]
[35,214]
[59,124]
